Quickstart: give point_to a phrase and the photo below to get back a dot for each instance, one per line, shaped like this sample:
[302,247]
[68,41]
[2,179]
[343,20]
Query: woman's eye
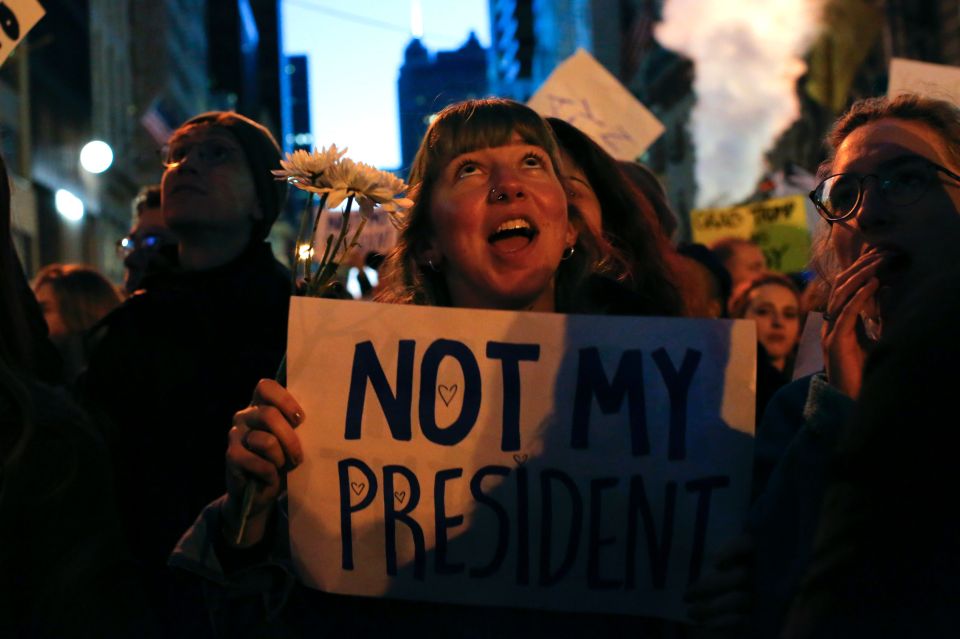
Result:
[466,169]
[533,160]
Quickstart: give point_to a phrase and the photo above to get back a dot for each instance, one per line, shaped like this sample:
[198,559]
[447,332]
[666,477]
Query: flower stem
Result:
[338,247]
[356,234]
[304,217]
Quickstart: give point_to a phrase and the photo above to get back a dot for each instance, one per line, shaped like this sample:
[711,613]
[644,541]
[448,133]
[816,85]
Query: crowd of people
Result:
[142,490]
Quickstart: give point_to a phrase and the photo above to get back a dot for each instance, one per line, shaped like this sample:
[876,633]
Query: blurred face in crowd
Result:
[50,306]
[147,236]
[581,194]
[500,226]
[916,240]
[208,184]
[776,310]
[746,263]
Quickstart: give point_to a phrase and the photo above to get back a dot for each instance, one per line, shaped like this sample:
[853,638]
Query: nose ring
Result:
[498,196]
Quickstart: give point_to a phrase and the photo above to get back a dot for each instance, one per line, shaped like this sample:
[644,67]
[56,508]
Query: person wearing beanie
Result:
[175,362]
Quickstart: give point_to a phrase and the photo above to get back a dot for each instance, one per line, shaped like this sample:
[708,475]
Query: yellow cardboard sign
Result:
[778,226]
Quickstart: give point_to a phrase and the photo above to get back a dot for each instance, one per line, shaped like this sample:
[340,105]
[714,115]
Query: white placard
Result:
[378,236]
[17,17]
[932,80]
[582,92]
[562,462]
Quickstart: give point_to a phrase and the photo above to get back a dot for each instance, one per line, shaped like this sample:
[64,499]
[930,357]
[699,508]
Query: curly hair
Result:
[461,128]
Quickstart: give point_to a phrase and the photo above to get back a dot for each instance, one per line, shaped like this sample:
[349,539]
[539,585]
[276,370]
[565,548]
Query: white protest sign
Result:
[378,235]
[17,17]
[563,462]
[932,80]
[582,92]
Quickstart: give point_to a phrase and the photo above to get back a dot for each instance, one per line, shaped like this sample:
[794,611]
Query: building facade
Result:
[427,83]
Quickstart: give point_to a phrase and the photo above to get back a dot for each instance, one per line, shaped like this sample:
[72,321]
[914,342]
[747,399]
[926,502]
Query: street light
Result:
[68,205]
[96,156]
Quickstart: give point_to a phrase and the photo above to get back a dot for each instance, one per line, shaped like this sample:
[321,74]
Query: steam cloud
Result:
[747,56]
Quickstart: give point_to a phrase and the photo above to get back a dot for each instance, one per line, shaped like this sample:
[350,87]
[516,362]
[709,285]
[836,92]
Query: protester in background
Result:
[177,361]
[703,281]
[886,559]
[773,302]
[73,298]
[890,193]
[742,258]
[149,246]
[612,206]
[64,567]
[486,183]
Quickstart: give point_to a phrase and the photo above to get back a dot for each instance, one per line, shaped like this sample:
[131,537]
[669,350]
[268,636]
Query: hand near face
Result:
[262,448]
[852,294]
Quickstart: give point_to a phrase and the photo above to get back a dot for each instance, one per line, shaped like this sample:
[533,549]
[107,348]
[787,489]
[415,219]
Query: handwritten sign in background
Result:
[779,226]
[378,236]
[582,92]
[17,17]
[934,80]
[516,445]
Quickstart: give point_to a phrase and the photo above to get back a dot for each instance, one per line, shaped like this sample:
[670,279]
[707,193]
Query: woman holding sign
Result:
[491,229]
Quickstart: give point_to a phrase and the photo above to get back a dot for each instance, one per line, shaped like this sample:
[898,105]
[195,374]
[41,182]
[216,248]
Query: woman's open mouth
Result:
[512,235]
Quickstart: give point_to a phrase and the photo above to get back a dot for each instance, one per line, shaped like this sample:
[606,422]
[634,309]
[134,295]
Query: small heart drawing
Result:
[447,393]
[401,495]
[520,459]
[357,487]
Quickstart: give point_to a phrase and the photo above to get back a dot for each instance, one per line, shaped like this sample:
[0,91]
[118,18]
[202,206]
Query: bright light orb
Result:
[96,156]
[68,205]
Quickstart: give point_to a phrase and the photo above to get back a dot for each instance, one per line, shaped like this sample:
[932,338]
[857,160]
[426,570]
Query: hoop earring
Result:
[568,253]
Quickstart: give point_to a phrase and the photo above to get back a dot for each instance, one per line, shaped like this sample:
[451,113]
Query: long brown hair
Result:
[629,220]
[461,128]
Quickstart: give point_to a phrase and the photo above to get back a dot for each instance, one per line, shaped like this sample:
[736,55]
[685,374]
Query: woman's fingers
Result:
[271,421]
[852,280]
[243,463]
[846,318]
[270,392]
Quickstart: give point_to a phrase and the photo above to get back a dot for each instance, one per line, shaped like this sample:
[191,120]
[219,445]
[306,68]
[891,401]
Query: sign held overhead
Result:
[582,92]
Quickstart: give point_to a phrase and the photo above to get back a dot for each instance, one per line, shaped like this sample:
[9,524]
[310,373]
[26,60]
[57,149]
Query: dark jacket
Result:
[64,567]
[172,366]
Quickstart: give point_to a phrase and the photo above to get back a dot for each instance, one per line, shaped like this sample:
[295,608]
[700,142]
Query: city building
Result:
[428,83]
[295,85]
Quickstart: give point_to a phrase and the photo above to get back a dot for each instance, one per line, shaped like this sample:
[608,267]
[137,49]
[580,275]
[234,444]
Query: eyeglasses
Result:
[838,196]
[129,244]
[208,152]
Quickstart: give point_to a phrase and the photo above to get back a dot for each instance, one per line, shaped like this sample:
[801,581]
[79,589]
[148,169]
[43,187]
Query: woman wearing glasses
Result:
[891,200]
